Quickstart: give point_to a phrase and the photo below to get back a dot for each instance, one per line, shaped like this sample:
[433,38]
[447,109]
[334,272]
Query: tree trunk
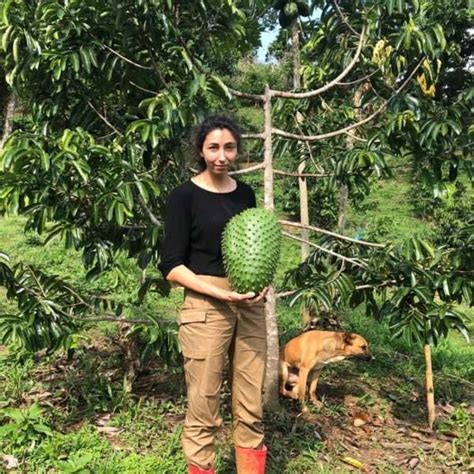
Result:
[273,350]
[430,402]
[295,52]
[344,190]
[302,184]
[343,201]
[8,122]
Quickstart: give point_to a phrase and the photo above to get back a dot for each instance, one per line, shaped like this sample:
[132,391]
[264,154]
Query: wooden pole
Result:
[271,381]
[430,401]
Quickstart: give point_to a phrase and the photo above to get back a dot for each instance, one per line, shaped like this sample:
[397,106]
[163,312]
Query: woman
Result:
[215,322]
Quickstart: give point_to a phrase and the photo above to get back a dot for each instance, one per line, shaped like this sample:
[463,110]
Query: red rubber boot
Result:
[250,461]
[197,470]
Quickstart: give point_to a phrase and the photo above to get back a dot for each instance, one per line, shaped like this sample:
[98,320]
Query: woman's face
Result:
[219,150]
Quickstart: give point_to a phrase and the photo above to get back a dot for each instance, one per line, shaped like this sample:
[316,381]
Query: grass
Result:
[386,214]
[95,417]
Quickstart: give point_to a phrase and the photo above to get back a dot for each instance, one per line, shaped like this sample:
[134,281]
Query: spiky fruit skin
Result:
[291,10]
[251,244]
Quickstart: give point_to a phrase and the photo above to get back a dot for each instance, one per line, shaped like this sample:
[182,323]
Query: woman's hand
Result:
[249,298]
[258,297]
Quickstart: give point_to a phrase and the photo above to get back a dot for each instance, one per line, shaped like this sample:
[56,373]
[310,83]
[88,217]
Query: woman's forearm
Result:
[183,276]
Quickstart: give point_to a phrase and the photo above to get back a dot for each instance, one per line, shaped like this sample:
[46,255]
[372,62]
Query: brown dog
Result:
[309,353]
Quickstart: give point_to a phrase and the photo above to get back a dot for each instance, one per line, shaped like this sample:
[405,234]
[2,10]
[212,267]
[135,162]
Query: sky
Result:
[267,38]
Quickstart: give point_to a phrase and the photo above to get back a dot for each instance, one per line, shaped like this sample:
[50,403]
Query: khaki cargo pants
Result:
[210,331]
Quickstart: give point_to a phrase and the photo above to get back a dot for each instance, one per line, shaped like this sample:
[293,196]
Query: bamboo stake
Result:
[430,401]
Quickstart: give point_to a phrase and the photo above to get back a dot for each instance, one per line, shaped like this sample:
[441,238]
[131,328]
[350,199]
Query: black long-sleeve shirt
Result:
[194,223]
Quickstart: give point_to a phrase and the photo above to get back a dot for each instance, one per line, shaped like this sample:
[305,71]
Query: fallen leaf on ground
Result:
[350,400]
[9,461]
[447,408]
[103,420]
[108,429]
[353,462]
[37,396]
[367,429]
[359,422]
[378,421]
[417,436]
[453,463]
[413,462]
[361,414]
[397,446]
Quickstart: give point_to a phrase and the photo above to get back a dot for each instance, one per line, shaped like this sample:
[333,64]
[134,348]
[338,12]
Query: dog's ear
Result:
[347,337]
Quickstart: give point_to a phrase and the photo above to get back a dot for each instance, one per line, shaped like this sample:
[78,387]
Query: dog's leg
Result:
[304,371]
[284,379]
[313,382]
[293,381]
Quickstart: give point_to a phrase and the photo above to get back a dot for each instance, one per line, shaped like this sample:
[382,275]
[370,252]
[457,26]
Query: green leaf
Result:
[82,168]
[439,33]
[75,62]
[85,59]
[42,428]
[45,163]
[6,37]
[143,191]
[186,58]
[220,85]
[390,4]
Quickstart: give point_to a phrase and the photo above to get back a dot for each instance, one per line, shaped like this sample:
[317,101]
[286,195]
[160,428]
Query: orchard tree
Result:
[109,92]
[395,51]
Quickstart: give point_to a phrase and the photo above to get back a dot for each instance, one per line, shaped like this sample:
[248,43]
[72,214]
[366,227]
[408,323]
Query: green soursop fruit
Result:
[291,10]
[251,249]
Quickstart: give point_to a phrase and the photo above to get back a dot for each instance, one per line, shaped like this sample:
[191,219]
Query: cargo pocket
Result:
[192,315]
[192,332]
[203,369]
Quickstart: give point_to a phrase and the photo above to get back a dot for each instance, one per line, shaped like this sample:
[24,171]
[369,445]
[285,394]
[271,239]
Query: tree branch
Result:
[334,133]
[332,234]
[355,137]
[250,169]
[343,18]
[356,81]
[104,119]
[148,211]
[121,56]
[118,320]
[245,95]
[302,175]
[256,136]
[322,249]
[329,85]
[143,88]
[284,294]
